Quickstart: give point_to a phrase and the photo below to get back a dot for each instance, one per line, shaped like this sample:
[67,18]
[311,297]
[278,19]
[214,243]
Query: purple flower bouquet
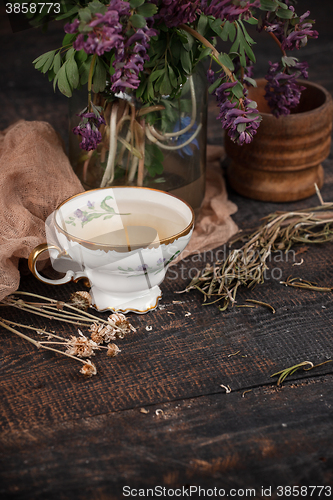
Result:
[140,54]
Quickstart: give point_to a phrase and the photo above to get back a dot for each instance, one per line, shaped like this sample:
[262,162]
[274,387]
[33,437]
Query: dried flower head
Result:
[113,350]
[81,346]
[81,300]
[121,324]
[102,333]
[88,369]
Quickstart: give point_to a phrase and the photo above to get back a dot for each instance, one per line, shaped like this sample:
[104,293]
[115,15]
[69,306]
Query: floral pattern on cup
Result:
[145,269]
[91,212]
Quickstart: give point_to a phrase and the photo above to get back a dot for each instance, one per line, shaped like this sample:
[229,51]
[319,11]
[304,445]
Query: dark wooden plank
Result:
[268,437]
[181,356]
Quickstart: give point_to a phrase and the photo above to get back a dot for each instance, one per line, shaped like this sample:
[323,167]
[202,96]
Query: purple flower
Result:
[241,122]
[299,38]
[291,35]
[90,135]
[282,90]
[227,10]
[78,213]
[88,129]
[72,27]
[210,76]
[176,12]
[143,267]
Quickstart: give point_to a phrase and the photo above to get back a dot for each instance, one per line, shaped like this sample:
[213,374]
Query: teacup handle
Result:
[32,261]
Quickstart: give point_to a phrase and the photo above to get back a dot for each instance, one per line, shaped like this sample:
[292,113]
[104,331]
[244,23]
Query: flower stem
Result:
[207,44]
[35,342]
[90,77]
[109,170]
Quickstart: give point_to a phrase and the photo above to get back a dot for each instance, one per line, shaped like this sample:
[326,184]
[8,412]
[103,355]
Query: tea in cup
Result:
[121,239]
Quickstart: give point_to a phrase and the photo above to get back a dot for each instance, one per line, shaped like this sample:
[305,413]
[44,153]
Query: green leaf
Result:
[99,78]
[269,5]
[250,53]
[166,87]
[72,73]
[48,63]
[85,15]
[282,5]
[62,81]
[138,21]
[153,159]
[189,41]
[156,74]
[147,10]
[172,77]
[69,13]
[41,60]
[105,206]
[80,55]
[251,20]
[202,24]
[68,39]
[228,31]
[214,85]
[70,53]
[186,61]
[84,69]
[241,127]
[237,90]
[250,80]
[204,53]
[284,14]
[97,6]
[288,61]
[226,61]
[136,3]
[215,25]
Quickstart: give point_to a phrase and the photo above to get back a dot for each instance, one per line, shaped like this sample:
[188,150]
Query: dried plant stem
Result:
[39,344]
[292,369]
[82,315]
[28,327]
[306,285]
[260,303]
[246,265]
[109,170]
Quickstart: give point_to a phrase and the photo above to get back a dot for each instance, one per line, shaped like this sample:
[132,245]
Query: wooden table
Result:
[66,436]
[158,415]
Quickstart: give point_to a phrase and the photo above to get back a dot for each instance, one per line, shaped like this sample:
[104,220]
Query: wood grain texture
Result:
[267,437]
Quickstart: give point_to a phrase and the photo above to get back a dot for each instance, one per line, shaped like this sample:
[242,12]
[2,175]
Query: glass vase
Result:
[161,147]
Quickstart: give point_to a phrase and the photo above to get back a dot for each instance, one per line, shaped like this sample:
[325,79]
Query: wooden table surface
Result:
[63,436]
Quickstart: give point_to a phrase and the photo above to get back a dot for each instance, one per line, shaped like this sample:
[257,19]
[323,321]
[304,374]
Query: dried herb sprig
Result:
[88,368]
[246,266]
[76,347]
[292,369]
[63,311]
[306,285]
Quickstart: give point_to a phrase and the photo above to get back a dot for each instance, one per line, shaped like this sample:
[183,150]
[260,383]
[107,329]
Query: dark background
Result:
[27,94]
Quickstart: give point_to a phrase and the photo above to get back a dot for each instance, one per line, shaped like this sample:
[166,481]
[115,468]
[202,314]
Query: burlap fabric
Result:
[35,177]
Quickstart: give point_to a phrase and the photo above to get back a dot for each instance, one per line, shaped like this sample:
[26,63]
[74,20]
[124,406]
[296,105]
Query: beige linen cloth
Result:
[214,225]
[36,176]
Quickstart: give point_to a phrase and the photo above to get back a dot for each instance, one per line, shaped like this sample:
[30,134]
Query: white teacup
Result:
[121,239]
